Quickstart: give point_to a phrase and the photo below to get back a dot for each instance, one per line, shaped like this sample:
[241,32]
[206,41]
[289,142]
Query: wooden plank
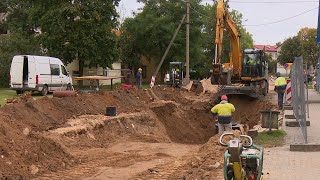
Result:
[96,78]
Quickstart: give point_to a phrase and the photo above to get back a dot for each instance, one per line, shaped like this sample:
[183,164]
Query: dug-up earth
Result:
[157,134]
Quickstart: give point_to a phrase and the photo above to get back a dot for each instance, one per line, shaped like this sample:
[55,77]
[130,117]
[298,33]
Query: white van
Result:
[38,73]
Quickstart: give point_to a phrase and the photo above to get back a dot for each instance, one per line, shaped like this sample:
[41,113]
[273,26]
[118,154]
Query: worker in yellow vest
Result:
[280,88]
[224,110]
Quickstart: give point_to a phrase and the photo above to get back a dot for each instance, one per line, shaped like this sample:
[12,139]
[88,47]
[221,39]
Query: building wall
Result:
[73,68]
[149,67]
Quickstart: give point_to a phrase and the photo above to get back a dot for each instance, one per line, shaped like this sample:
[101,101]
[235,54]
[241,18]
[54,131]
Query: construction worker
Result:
[250,66]
[139,78]
[167,78]
[280,88]
[224,111]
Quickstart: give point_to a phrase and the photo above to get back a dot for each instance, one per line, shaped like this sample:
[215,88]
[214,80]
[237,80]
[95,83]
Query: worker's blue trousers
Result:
[280,100]
[280,90]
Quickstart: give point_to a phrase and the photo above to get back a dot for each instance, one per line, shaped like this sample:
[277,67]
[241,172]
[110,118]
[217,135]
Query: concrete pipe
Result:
[65,93]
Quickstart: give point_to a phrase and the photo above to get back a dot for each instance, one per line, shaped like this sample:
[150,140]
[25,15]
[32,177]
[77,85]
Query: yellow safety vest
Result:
[223,109]
[280,81]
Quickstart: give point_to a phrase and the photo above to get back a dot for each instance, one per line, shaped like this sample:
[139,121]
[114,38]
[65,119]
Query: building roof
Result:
[266,48]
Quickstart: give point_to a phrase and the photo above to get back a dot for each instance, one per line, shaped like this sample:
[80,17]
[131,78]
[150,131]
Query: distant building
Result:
[269,49]
[73,68]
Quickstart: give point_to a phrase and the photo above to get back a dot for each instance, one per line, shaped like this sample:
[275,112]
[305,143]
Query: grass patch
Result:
[275,138]
[5,94]
[310,85]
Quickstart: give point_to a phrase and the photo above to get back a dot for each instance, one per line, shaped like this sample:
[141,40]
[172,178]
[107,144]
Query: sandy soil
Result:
[158,134]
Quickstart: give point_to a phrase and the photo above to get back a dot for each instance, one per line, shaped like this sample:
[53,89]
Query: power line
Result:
[274,22]
[263,24]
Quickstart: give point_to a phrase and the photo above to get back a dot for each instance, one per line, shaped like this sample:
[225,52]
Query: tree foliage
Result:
[149,32]
[304,43]
[11,45]
[69,29]
[308,39]
[78,30]
[65,29]
[289,49]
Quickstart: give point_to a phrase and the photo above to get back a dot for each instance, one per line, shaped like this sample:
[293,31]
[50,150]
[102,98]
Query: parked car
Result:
[38,73]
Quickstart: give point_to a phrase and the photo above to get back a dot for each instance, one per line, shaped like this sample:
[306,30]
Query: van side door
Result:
[16,72]
[65,77]
[32,72]
[55,75]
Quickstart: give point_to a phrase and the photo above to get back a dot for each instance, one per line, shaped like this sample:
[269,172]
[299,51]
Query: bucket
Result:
[111,111]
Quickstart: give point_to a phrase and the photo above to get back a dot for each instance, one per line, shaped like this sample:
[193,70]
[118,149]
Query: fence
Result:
[299,91]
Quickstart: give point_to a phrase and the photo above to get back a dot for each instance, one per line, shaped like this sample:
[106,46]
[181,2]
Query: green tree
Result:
[10,45]
[149,33]
[290,48]
[304,43]
[308,41]
[66,29]
[77,30]
[3,11]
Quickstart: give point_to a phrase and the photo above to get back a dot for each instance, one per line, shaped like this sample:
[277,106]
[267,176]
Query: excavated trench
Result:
[152,129]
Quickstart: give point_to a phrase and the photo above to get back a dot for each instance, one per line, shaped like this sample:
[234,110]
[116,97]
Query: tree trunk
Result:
[81,67]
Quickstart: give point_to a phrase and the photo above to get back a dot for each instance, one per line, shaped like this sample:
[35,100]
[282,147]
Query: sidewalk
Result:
[282,164]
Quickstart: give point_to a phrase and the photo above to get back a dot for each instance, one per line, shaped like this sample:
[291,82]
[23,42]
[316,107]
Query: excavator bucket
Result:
[197,87]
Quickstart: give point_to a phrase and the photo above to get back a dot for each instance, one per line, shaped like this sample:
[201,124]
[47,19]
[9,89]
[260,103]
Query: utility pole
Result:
[153,78]
[187,78]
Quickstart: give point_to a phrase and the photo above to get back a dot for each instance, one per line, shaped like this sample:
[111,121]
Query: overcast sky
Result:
[261,13]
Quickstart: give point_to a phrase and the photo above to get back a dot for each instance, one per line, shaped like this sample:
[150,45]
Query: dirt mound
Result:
[25,153]
[101,131]
[207,164]
[248,109]
[52,134]
[39,151]
[183,123]
[20,151]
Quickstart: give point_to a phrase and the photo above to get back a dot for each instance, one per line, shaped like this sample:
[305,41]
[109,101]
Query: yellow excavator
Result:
[247,71]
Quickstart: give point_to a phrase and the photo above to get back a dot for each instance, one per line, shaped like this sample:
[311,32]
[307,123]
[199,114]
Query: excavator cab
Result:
[254,64]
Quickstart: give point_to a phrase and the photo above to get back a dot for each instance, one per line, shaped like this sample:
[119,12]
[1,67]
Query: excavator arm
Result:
[234,66]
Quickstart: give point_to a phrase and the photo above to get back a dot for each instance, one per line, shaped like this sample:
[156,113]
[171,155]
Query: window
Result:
[55,69]
[64,71]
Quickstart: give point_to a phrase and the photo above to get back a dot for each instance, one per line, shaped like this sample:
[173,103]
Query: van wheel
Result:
[69,87]
[19,92]
[45,90]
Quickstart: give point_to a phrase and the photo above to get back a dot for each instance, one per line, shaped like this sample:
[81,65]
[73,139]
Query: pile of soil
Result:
[205,164]
[50,135]
[248,109]
[26,149]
